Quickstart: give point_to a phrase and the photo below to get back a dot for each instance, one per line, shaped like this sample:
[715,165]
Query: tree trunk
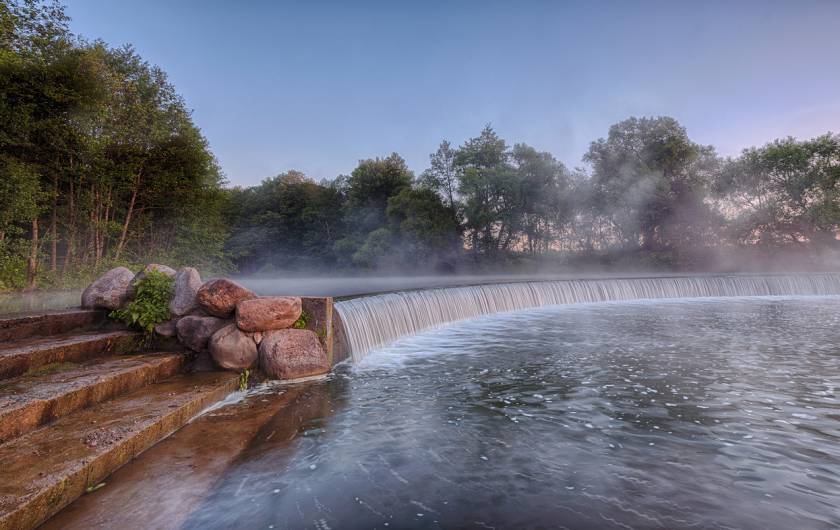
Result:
[128,215]
[70,255]
[32,266]
[54,228]
[97,224]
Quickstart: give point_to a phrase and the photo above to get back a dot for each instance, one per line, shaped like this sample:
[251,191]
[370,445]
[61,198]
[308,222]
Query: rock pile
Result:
[238,328]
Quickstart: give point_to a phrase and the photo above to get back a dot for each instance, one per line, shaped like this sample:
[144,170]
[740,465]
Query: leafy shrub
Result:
[301,322]
[151,302]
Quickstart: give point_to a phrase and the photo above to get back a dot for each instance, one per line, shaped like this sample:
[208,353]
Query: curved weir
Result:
[373,321]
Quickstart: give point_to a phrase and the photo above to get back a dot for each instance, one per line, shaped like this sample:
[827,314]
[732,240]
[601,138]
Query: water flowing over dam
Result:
[373,321]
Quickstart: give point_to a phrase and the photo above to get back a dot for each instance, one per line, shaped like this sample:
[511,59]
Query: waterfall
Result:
[374,321]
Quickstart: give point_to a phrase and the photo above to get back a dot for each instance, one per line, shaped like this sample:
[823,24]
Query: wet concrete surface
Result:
[46,469]
[57,390]
[171,483]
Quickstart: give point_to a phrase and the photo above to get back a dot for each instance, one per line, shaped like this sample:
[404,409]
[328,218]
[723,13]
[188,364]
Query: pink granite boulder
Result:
[219,297]
[292,354]
[195,331]
[233,349]
[267,313]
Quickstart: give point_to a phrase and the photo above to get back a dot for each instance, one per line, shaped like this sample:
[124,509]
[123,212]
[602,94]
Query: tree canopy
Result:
[101,161]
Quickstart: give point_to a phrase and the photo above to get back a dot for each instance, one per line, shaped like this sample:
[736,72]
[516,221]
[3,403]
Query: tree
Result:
[367,191]
[109,164]
[647,174]
[787,191]
[426,228]
[288,221]
[490,191]
[544,195]
[442,176]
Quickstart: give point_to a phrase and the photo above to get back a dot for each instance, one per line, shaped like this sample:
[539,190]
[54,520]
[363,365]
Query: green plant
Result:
[243,379]
[301,322]
[151,302]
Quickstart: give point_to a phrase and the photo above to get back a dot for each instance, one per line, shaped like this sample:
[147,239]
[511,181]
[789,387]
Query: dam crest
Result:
[370,322]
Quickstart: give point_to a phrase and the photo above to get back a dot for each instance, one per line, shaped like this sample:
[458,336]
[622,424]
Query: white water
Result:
[373,321]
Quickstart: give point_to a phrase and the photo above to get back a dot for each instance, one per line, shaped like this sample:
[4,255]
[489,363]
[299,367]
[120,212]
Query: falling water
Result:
[374,321]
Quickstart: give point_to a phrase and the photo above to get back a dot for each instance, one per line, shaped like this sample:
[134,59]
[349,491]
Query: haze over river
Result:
[701,413]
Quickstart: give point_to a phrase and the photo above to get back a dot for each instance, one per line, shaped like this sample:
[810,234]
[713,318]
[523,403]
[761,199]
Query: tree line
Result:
[100,160]
[101,164]
[648,195]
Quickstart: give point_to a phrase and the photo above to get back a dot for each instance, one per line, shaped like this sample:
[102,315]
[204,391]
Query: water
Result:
[374,321]
[705,413]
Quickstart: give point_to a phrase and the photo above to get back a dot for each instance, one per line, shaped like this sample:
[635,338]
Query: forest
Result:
[101,164]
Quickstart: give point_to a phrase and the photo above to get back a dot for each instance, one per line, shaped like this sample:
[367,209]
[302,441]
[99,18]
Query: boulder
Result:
[187,283]
[219,297]
[167,329]
[292,354]
[233,349]
[267,313]
[110,291]
[169,271]
[194,331]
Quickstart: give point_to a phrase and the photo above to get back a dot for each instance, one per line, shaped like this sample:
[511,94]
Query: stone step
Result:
[21,326]
[42,396]
[46,469]
[21,356]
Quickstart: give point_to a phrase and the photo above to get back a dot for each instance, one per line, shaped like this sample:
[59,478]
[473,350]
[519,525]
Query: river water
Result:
[702,413]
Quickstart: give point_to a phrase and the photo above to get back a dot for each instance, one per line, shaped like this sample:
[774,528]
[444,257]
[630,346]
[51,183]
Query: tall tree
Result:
[646,173]
[442,175]
[490,191]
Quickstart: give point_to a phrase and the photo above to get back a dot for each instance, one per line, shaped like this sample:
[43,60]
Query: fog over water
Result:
[343,286]
[350,286]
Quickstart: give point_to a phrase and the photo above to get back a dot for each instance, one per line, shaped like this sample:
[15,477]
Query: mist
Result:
[648,200]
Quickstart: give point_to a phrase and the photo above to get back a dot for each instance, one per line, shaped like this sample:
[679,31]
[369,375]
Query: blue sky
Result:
[316,86]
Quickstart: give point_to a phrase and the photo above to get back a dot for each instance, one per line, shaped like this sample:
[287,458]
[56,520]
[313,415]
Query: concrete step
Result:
[46,469]
[21,326]
[21,356]
[32,400]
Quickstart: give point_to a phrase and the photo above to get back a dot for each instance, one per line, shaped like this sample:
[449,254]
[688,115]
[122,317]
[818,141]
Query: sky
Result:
[317,86]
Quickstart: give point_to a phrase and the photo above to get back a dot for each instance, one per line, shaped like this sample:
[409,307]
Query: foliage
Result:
[650,198]
[787,191]
[99,159]
[302,321]
[243,380]
[287,220]
[150,305]
[648,177]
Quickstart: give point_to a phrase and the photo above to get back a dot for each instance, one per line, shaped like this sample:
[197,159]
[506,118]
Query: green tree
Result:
[787,191]
[442,175]
[426,229]
[288,221]
[647,175]
[490,190]
[109,164]
[367,191]
[544,196]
